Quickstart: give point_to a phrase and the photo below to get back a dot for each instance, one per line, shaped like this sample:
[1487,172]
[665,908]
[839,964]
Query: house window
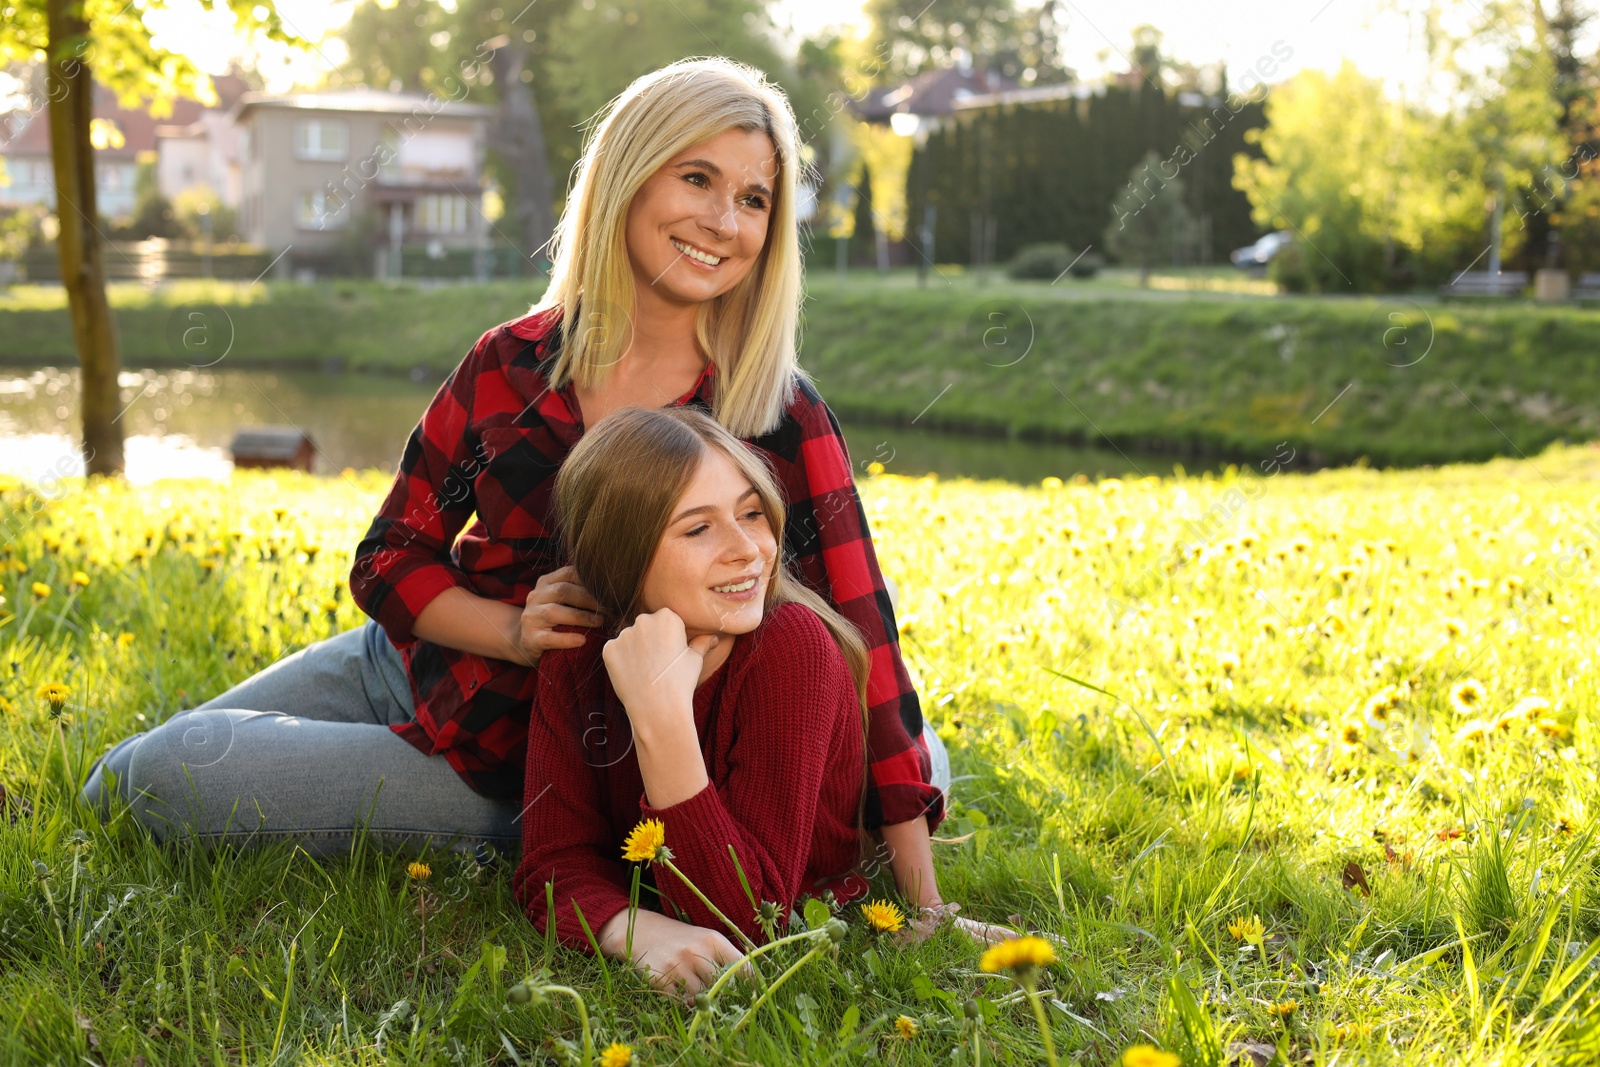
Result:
[324,139]
[314,209]
[441,213]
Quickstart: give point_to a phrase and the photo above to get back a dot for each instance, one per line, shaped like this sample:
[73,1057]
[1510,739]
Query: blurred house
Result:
[202,152]
[312,164]
[131,135]
[932,93]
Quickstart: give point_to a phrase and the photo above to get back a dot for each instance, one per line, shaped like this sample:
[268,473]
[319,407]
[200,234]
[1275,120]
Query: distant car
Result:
[1261,253]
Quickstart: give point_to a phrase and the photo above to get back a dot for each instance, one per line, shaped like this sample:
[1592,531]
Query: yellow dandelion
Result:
[874,468]
[6,707]
[1533,708]
[1149,1056]
[1554,728]
[1300,544]
[1052,482]
[1453,627]
[905,1025]
[1018,955]
[80,579]
[418,870]
[40,590]
[1269,628]
[55,694]
[645,842]
[1345,571]
[1511,583]
[1227,662]
[1247,929]
[1467,696]
[124,639]
[1474,730]
[1378,705]
[882,916]
[1508,720]
[616,1054]
[1352,733]
[1284,1008]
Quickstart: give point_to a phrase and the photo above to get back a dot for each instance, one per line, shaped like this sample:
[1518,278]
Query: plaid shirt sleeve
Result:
[404,562]
[828,543]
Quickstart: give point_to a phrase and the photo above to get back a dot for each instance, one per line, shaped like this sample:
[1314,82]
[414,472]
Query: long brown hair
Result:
[615,494]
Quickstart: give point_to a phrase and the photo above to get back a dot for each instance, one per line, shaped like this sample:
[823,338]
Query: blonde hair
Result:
[749,332]
[615,494]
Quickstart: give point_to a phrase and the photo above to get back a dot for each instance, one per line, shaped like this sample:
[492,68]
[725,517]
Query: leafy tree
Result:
[1022,44]
[1150,221]
[82,41]
[1153,65]
[597,52]
[864,235]
[1383,194]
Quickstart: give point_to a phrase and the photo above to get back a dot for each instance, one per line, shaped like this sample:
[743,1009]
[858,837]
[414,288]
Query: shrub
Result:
[1048,261]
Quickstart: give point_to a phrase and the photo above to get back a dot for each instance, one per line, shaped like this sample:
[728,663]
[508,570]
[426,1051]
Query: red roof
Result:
[138,127]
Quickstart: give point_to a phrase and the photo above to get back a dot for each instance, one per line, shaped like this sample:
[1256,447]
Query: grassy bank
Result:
[1245,376]
[1355,706]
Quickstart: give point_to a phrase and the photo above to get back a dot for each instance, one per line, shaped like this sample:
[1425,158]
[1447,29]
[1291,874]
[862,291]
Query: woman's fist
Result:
[655,667]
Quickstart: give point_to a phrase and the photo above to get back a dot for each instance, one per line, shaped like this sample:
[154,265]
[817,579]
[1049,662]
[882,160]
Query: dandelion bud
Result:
[702,1002]
[970,1009]
[836,930]
[518,994]
[40,870]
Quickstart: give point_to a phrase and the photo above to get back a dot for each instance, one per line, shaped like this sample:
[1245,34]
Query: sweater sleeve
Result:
[797,718]
[404,562]
[833,553]
[566,835]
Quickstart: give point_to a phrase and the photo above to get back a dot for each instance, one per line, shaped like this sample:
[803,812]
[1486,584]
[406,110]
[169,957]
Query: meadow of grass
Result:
[1202,362]
[1299,768]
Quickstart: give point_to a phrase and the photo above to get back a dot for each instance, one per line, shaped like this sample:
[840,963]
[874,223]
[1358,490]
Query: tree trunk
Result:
[520,139]
[71,95]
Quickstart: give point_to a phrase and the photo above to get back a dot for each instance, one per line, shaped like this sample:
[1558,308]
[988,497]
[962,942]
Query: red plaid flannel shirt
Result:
[487,451]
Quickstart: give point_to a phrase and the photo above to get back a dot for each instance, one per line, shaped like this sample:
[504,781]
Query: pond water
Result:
[179,424]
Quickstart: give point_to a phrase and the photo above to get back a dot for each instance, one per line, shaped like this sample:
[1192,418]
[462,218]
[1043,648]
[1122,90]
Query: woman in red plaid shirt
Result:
[682,220]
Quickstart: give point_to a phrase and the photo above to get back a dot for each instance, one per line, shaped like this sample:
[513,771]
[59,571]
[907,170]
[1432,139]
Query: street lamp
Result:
[908,124]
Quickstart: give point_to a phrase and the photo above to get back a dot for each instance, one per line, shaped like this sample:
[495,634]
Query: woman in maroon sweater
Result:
[728,703]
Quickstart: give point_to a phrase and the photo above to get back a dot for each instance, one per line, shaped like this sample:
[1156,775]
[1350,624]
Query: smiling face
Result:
[697,225]
[717,556]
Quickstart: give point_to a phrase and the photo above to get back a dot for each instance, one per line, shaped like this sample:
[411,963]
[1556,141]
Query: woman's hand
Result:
[655,669]
[557,599]
[672,952]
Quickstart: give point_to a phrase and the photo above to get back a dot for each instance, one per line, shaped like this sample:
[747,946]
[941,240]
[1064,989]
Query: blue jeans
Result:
[302,752]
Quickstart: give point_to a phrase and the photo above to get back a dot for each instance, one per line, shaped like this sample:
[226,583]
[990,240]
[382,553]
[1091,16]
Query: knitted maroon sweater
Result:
[781,733]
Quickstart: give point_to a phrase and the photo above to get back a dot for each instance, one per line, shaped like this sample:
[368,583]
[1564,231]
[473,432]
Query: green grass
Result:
[1197,364]
[1287,656]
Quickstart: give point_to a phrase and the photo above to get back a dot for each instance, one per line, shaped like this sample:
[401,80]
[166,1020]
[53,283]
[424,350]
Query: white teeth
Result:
[737,587]
[695,253]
